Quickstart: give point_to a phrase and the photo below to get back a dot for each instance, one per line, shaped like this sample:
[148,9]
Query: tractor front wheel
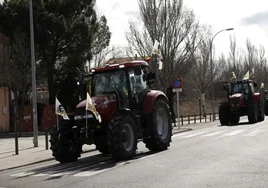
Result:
[252,113]
[122,137]
[160,127]
[224,114]
[63,145]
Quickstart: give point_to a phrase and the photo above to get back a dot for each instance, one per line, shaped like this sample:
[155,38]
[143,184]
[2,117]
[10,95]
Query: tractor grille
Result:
[235,101]
[80,114]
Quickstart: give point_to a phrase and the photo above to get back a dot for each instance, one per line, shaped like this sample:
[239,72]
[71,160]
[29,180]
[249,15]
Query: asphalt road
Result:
[218,156]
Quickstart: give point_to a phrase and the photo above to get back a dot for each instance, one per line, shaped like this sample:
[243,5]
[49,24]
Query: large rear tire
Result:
[63,145]
[266,107]
[252,113]
[122,137]
[160,127]
[224,114]
[261,110]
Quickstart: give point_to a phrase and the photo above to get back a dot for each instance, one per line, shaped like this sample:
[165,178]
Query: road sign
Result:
[176,83]
[177,90]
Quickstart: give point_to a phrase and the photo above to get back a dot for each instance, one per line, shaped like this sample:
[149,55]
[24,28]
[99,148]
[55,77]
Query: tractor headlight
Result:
[83,116]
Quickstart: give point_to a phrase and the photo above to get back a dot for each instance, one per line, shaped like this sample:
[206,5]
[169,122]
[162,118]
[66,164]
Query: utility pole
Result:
[211,72]
[35,125]
[165,38]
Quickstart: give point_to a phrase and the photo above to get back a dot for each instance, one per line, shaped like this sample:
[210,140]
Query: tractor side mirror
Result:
[151,76]
[145,77]
[255,85]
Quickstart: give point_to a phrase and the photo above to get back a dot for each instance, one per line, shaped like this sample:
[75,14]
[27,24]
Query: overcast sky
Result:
[248,18]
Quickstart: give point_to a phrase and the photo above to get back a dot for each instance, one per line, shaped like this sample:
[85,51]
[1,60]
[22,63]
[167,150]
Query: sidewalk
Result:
[31,155]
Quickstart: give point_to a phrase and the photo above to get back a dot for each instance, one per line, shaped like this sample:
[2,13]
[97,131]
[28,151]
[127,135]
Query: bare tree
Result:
[201,70]
[20,72]
[105,54]
[260,65]
[174,27]
[251,58]
[261,68]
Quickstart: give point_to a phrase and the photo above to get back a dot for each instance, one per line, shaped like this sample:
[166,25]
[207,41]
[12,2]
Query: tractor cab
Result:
[245,88]
[128,82]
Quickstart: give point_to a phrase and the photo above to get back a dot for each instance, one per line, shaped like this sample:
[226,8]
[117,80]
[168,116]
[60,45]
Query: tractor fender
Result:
[256,97]
[135,118]
[150,98]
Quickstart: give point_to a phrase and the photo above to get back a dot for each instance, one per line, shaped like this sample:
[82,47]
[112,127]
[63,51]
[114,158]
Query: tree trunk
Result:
[21,100]
[50,81]
[203,99]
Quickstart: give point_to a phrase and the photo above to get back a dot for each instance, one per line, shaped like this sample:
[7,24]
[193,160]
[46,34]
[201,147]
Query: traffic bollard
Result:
[188,119]
[195,118]
[46,140]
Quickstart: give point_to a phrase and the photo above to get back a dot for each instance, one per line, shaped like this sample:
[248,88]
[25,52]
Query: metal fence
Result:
[187,120]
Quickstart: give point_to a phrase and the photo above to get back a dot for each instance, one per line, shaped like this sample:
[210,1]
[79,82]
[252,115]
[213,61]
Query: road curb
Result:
[37,162]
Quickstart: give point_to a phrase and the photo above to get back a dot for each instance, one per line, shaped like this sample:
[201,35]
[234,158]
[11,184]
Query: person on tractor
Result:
[119,83]
[122,86]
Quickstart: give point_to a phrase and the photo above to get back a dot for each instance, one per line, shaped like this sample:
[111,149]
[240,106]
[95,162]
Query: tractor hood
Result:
[106,105]
[99,101]
[237,95]
[237,100]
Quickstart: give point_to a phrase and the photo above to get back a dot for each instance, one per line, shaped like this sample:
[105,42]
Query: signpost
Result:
[177,84]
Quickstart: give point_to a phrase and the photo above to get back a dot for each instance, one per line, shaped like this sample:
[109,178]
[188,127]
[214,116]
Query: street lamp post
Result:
[35,126]
[211,70]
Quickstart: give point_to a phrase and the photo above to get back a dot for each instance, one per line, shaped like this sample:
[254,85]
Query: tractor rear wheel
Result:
[160,127]
[122,137]
[261,111]
[63,145]
[266,107]
[252,113]
[224,114]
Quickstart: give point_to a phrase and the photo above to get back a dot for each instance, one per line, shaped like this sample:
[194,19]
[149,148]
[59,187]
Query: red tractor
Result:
[130,111]
[242,100]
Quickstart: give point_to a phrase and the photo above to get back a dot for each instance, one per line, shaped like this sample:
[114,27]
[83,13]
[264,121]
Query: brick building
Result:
[4,83]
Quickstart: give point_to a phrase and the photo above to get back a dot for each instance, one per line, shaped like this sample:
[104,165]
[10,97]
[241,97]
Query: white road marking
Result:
[22,174]
[39,175]
[96,171]
[181,134]
[254,133]
[192,135]
[234,132]
[214,133]
[60,174]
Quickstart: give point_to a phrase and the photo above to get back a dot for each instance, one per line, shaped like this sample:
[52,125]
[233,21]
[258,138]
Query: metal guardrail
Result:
[194,119]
